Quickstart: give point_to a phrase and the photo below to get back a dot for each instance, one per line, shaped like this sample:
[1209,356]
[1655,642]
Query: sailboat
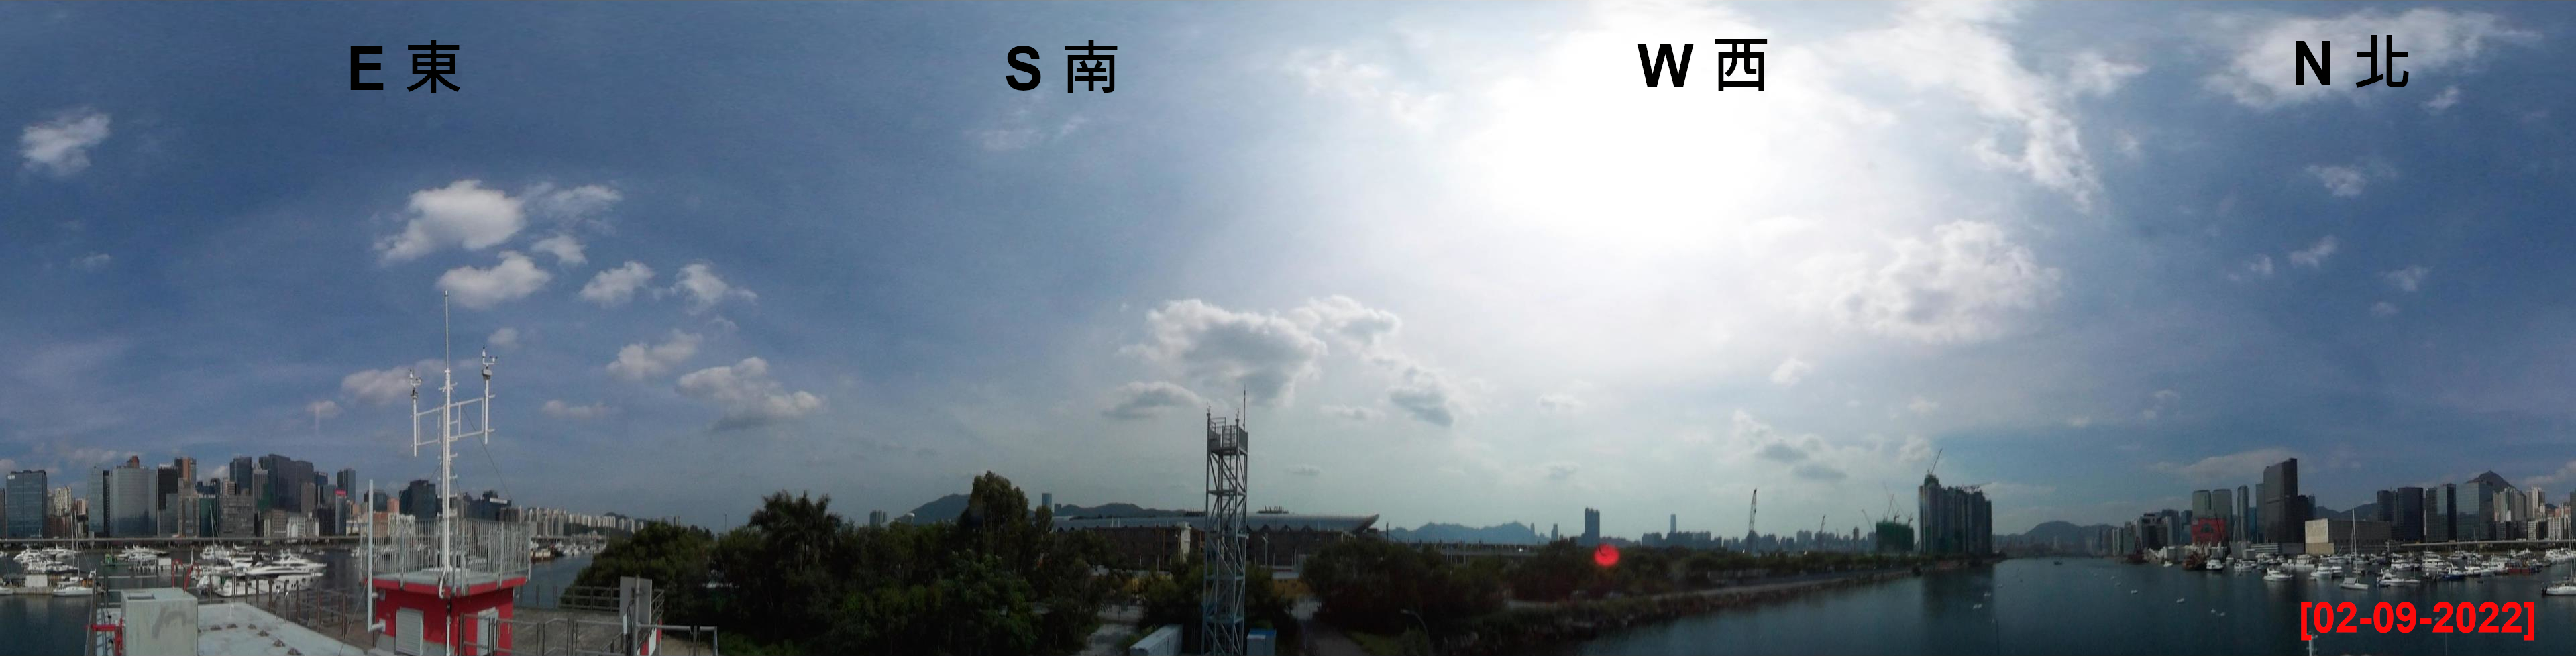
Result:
[2565,587]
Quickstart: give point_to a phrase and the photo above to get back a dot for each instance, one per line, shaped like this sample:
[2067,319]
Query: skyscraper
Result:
[2223,507]
[2244,514]
[348,482]
[1954,520]
[130,500]
[1591,527]
[25,505]
[2284,517]
[1672,525]
[2406,523]
[238,478]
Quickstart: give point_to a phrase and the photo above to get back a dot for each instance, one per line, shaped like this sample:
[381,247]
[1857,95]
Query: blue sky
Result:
[1465,267]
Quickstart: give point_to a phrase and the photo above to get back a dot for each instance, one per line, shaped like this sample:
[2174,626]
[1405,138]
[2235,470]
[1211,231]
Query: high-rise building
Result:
[2480,512]
[24,504]
[130,500]
[876,519]
[2200,501]
[420,500]
[1591,527]
[2244,514]
[2223,507]
[238,477]
[1955,521]
[2285,515]
[2406,522]
[348,483]
[1672,525]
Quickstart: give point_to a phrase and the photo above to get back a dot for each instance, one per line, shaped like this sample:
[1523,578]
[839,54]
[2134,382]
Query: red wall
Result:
[434,611]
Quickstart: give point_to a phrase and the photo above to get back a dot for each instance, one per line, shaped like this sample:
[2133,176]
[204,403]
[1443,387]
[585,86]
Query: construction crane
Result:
[1820,530]
[1936,462]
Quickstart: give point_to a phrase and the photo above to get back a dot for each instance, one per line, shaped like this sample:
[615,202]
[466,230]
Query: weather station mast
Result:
[434,597]
[1221,598]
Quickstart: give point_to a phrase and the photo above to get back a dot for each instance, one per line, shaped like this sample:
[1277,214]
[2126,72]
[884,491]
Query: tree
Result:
[674,556]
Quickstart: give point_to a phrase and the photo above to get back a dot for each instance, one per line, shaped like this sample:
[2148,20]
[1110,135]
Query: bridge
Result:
[331,540]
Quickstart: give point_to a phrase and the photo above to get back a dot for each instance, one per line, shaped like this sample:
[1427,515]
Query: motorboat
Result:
[2277,574]
[2353,583]
[140,553]
[2394,580]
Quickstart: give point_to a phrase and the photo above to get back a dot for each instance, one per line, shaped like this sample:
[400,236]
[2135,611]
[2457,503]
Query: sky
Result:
[1453,263]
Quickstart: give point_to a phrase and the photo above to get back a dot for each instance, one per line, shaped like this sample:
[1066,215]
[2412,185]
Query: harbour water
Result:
[2086,606]
[45,625]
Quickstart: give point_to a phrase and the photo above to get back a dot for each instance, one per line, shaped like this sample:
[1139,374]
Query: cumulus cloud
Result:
[2314,256]
[387,385]
[639,361]
[1560,403]
[1261,353]
[1962,286]
[2383,309]
[614,287]
[514,278]
[322,409]
[60,147]
[2343,181]
[2230,467]
[1558,471]
[503,338]
[1338,317]
[564,247]
[1353,413]
[1338,73]
[1790,372]
[1143,400]
[699,284]
[2260,73]
[462,214]
[1769,444]
[560,410]
[1426,395]
[93,261]
[571,206]
[1922,405]
[749,397]
[2407,279]
[2259,267]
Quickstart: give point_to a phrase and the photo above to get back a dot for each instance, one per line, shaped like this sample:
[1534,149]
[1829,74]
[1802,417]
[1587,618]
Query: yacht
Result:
[2353,582]
[2276,574]
[2394,580]
[139,553]
[2565,587]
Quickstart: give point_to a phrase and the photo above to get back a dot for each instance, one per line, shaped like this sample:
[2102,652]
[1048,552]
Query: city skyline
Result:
[2093,255]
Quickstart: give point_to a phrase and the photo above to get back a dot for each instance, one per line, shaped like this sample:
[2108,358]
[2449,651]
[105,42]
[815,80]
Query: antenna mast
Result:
[452,417]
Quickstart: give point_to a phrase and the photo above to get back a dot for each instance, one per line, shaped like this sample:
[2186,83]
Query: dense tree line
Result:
[798,578]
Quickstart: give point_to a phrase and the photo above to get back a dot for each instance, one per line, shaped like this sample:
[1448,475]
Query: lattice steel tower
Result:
[1221,600]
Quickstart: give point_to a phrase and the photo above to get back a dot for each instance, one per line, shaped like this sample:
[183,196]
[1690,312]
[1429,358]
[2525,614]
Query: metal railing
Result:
[497,549]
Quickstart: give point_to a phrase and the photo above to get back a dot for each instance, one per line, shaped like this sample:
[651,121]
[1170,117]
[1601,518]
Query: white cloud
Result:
[2407,279]
[1922,405]
[1763,442]
[1790,372]
[571,206]
[1558,471]
[1961,287]
[504,338]
[1306,470]
[387,385]
[565,248]
[2344,181]
[1260,353]
[1336,72]
[2443,101]
[1817,471]
[514,278]
[1143,400]
[2560,479]
[462,214]
[2260,266]
[560,410]
[2092,74]
[61,147]
[1353,413]
[93,261]
[323,409]
[2159,403]
[2314,256]
[2383,309]
[747,394]
[2261,75]
[638,361]
[1559,403]
[614,287]
[699,283]
[1427,395]
[1363,328]
[2230,467]
[1961,49]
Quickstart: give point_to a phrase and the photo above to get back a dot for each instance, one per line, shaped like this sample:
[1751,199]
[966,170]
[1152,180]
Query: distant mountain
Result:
[1512,533]
[1116,510]
[2062,532]
[943,509]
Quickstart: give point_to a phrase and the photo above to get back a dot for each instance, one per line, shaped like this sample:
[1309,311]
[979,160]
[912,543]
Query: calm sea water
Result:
[45,625]
[2086,606]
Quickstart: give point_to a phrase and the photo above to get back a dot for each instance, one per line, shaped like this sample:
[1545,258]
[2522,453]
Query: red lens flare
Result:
[1605,556]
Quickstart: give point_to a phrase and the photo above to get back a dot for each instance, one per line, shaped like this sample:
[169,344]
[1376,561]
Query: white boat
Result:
[2565,587]
[2277,574]
[2353,583]
[2397,580]
[75,590]
[139,553]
